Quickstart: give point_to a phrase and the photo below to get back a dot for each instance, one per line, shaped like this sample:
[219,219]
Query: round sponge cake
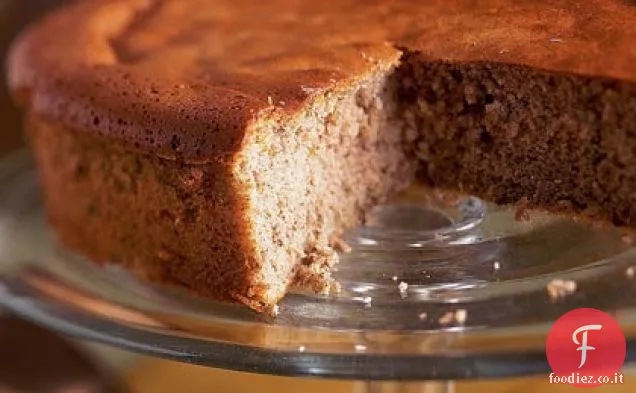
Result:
[219,145]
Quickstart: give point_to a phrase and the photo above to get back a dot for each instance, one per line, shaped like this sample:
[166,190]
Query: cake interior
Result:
[505,133]
[311,178]
[512,134]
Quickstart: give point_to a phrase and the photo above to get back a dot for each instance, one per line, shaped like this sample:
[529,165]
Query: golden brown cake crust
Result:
[187,78]
[152,215]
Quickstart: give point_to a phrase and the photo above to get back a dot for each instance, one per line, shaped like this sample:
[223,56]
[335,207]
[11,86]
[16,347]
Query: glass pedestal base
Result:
[436,288]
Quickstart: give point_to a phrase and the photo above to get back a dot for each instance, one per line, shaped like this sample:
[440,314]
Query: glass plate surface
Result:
[436,288]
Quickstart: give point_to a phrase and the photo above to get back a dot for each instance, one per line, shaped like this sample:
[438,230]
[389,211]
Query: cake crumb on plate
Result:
[340,245]
[446,318]
[460,316]
[558,288]
[457,316]
[403,288]
[522,214]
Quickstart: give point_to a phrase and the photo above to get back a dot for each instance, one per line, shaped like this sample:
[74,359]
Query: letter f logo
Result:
[583,343]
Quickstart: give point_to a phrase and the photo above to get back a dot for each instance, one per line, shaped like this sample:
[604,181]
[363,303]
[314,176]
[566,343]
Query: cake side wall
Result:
[512,134]
[166,221]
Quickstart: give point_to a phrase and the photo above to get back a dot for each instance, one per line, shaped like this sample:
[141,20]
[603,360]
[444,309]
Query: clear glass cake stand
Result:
[436,289]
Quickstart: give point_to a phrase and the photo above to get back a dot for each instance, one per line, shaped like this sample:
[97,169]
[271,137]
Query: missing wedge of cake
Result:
[204,146]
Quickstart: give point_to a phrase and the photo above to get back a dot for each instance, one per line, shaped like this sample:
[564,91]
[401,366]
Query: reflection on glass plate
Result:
[434,288]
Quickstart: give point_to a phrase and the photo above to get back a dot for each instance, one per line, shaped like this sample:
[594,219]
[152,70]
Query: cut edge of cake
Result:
[308,178]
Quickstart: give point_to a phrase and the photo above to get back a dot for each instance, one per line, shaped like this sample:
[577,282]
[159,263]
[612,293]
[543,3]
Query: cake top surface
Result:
[187,77]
